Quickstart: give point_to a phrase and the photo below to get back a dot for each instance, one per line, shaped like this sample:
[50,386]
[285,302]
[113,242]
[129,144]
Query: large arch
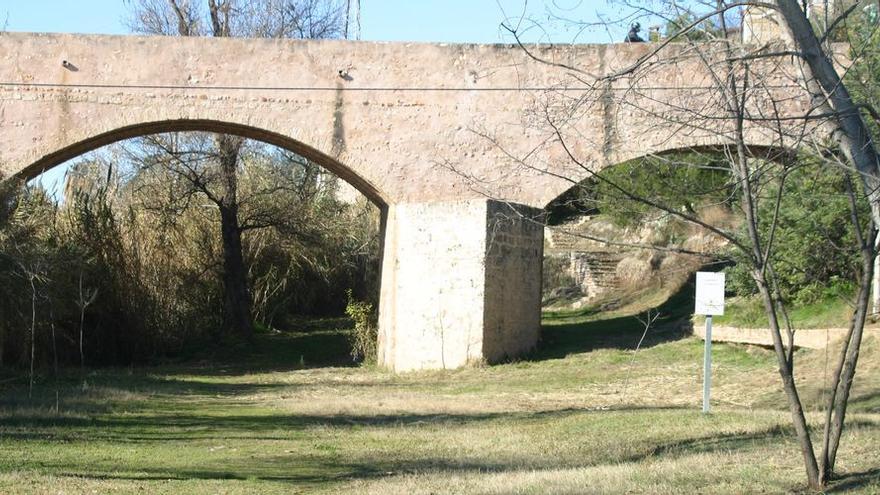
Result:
[430,317]
[758,148]
[73,150]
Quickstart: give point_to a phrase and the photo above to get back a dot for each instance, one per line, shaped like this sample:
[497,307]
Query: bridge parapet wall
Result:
[405,122]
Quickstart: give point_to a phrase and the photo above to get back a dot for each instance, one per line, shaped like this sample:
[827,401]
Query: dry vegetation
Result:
[584,414]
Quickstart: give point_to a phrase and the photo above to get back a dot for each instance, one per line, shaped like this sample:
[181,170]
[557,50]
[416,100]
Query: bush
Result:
[814,249]
[364,338]
[680,181]
[556,275]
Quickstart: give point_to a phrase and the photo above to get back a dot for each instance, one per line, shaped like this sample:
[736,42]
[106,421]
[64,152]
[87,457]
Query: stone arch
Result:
[79,148]
[759,149]
[408,128]
[592,265]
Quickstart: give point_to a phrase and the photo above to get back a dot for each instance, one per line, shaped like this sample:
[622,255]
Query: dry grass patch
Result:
[586,414]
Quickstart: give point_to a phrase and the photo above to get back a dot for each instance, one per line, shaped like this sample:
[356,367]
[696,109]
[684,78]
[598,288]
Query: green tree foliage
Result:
[682,181]
[364,338]
[815,254]
[705,30]
[862,32]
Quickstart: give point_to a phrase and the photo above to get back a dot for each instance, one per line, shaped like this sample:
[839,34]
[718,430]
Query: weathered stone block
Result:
[453,293]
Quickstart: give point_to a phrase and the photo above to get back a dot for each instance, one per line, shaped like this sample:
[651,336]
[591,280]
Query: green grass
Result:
[583,413]
[748,312]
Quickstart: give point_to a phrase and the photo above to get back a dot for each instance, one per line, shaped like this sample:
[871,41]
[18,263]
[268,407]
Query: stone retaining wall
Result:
[811,338]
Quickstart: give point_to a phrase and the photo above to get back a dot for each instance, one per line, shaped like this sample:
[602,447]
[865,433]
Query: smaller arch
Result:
[779,154]
[69,152]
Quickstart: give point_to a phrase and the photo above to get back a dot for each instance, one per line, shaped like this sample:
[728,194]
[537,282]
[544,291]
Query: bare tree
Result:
[230,18]
[744,100]
[33,275]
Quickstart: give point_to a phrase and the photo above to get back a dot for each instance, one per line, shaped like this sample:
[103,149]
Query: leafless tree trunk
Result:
[845,370]
[54,340]
[771,304]
[84,299]
[31,277]
[237,297]
[875,283]
[851,133]
[32,273]
[761,269]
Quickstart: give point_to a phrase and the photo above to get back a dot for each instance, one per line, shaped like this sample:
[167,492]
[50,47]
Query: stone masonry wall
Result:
[409,123]
[431,303]
[514,252]
[461,283]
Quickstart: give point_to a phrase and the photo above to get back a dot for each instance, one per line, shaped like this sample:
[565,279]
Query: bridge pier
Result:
[461,283]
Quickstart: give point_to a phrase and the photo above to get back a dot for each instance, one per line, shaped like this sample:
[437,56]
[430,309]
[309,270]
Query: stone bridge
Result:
[450,141]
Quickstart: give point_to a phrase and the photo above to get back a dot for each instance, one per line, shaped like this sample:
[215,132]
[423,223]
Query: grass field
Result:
[749,313]
[583,414]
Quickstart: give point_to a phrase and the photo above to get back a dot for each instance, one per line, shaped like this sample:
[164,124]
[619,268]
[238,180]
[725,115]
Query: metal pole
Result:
[707,365]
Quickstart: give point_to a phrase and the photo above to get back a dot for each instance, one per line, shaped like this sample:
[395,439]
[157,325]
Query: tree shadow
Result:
[148,389]
[865,402]
[186,425]
[722,442]
[102,390]
[321,344]
[321,470]
[156,427]
[182,426]
[853,481]
[559,340]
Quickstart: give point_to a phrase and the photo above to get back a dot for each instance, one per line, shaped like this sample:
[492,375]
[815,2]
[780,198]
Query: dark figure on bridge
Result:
[633,36]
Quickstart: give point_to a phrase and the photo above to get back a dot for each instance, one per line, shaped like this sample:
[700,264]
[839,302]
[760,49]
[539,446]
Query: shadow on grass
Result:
[311,472]
[866,402]
[319,344]
[294,468]
[109,389]
[308,472]
[343,472]
[853,481]
[723,442]
[186,425]
[316,343]
[561,339]
[156,427]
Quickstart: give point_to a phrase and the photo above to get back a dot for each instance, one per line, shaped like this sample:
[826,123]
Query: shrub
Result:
[365,335]
[814,249]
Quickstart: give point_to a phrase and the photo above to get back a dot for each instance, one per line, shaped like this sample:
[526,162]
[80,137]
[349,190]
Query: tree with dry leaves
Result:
[210,164]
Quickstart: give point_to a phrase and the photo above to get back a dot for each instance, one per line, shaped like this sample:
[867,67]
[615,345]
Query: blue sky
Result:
[473,21]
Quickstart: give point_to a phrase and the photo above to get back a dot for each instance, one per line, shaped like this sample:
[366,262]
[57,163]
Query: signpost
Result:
[709,301]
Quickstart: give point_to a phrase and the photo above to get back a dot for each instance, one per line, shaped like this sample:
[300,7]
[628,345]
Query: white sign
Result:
[710,293]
